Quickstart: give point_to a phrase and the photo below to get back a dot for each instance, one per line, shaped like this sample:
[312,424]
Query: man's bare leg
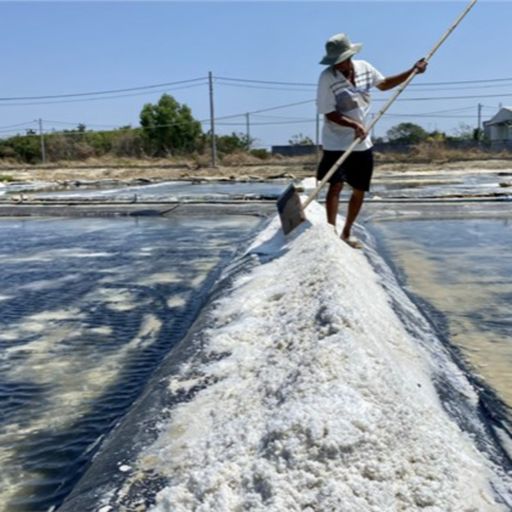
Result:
[354,206]
[332,201]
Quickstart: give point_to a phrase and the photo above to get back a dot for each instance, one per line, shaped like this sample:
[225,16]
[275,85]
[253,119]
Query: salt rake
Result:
[291,209]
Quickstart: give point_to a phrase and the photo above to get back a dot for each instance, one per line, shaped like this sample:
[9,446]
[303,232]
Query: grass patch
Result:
[4,178]
[434,152]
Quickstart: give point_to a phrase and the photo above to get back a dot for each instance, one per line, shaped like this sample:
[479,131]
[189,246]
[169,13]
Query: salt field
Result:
[88,309]
[297,374]
[477,183]
[173,191]
[297,395]
[201,311]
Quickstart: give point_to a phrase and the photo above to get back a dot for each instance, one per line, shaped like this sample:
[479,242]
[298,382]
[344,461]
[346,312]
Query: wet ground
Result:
[447,183]
[89,307]
[462,269]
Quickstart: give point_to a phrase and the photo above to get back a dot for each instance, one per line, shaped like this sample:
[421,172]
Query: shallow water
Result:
[463,268]
[88,309]
[439,184]
[453,183]
[175,190]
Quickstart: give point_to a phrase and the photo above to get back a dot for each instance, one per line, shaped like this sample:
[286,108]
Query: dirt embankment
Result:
[265,171]
[154,173]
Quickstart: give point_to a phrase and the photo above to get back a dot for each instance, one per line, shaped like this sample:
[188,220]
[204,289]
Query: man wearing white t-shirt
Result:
[344,98]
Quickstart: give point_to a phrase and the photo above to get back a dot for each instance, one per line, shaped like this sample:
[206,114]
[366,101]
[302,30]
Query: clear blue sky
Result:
[52,48]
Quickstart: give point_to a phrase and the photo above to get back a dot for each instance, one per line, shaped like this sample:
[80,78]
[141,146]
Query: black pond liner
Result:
[61,457]
[104,484]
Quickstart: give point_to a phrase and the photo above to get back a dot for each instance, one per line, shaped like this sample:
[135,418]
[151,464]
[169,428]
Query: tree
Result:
[231,143]
[27,148]
[464,132]
[406,133]
[300,140]
[169,127]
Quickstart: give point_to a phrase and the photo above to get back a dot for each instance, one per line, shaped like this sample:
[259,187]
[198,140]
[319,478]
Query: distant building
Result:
[498,130]
[295,150]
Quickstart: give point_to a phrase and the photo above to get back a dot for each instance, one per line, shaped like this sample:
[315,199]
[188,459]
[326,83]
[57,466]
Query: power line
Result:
[229,79]
[434,98]
[268,88]
[268,82]
[2,128]
[85,132]
[278,107]
[197,82]
[431,98]
[468,88]
[460,82]
[14,132]
[288,118]
[281,119]
[268,123]
[450,110]
[433,84]
[83,100]
[436,116]
[297,88]
[282,106]
[81,123]
[95,93]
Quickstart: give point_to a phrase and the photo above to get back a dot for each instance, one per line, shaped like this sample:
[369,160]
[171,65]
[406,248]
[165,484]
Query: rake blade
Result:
[290,209]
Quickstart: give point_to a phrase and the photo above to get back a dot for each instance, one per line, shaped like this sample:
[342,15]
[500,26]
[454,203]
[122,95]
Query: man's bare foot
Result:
[353,242]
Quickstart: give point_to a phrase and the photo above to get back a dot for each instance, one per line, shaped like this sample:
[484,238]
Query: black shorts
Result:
[356,170]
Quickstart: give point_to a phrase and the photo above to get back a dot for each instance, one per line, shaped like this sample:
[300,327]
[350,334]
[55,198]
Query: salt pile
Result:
[313,397]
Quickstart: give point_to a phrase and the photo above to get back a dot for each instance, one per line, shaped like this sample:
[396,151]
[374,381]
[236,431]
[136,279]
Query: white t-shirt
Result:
[336,93]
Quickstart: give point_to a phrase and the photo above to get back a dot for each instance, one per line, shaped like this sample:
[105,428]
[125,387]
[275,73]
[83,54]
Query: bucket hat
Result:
[339,48]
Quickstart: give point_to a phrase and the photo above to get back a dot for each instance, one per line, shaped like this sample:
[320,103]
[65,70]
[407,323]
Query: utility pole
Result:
[478,131]
[248,130]
[212,121]
[479,124]
[41,136]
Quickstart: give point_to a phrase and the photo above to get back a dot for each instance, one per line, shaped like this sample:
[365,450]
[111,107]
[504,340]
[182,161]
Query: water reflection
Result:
[88,308]
[463,267]
[453,183]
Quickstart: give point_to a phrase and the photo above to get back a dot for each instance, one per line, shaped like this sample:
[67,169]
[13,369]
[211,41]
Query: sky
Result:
[70,48]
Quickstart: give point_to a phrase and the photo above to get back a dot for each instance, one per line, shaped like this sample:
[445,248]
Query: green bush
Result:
[262,154]
[128,143]
[26,148]
[232,143]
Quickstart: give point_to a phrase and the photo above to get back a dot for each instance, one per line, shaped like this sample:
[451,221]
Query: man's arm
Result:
[393,81]
[342,120]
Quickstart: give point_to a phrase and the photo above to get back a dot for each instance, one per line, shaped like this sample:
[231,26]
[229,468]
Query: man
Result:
[344,98]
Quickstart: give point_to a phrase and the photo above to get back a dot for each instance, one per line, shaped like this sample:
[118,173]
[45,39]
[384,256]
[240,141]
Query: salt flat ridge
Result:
[313,397]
